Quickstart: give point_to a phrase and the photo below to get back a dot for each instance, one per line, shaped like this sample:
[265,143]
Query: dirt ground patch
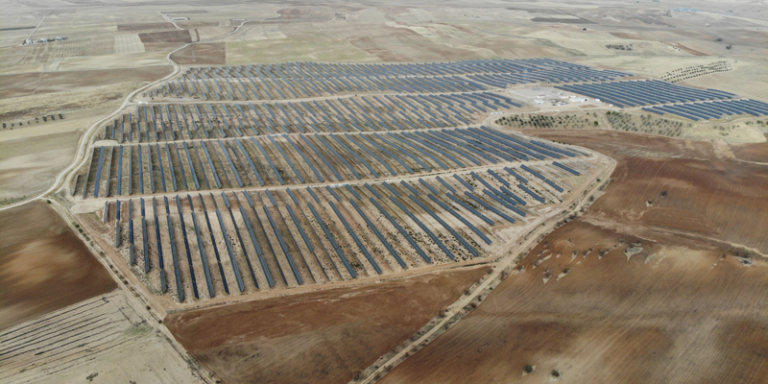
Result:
[752,152]
[204,53]
[43,265]
[671,313]
[166,37]
[28,83]
[322,337]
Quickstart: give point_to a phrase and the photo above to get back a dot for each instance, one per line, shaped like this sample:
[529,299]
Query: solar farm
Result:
[691,103]
[252,178]
[302,80]
[207,198]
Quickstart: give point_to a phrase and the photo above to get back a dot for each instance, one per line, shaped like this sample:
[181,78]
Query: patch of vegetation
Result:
[544,121]
[528,369]
[623,121]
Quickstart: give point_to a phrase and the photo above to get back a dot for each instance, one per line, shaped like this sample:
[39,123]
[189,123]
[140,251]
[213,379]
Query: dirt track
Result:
[205,53]
[335,333]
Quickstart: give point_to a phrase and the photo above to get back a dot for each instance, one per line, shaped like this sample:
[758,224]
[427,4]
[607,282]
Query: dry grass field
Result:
[202,54]
[36,83]
[104,339]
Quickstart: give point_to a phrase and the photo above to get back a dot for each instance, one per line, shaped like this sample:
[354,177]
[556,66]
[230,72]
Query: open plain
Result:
[355,192]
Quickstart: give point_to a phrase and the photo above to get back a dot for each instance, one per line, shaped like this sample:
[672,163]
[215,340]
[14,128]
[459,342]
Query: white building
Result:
[579,99]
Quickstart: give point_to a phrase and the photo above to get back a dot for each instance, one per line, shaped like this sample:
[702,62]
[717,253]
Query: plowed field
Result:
[43,265]
[322,337]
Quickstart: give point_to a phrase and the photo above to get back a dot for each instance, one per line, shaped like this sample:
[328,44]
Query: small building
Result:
[579,99]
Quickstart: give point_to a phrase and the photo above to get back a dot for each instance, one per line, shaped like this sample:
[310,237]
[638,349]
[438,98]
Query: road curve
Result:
[62,180]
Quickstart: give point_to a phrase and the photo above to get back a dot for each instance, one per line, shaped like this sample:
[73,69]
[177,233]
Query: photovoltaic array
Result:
[275,176]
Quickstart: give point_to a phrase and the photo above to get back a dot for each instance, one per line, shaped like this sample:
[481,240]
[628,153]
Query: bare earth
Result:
[43,265]
[757,152]
[322,337]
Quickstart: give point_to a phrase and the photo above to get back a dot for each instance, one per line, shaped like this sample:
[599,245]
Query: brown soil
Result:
[197,24]
[43,265]
[137,27]
[28,83]
[161,47]
[751,152]
[690,50]
[681,309]
[320,337]
[166,37]
[667,318]
[205,53]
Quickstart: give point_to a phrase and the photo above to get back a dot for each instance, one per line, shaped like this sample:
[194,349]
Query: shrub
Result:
[528,368]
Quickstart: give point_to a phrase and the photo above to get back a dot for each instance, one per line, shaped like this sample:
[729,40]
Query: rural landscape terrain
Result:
[395,192]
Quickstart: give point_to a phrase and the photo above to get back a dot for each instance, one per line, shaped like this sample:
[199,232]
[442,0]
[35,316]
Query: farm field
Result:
[35,281]
[757,152]
[104,338]
[696,180]
[323,337]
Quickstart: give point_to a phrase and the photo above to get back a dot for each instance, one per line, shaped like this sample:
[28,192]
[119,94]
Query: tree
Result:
[528,368]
